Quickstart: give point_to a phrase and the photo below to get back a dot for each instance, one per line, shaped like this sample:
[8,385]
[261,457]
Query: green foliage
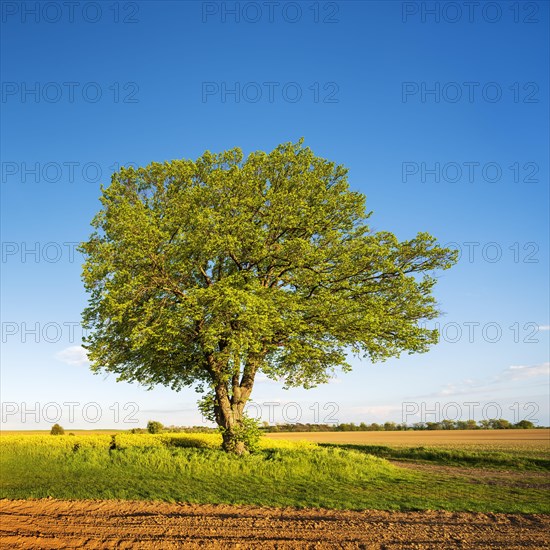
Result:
[248,432]
[206,272]
[154,427]
[57,430]
[206,406]
[190,429]
[500,424]
[525,425]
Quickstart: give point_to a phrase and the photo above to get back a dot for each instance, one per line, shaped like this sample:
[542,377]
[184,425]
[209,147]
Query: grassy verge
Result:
[191,468]
[469,457]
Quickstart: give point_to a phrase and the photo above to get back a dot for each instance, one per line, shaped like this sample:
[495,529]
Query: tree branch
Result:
[206,277]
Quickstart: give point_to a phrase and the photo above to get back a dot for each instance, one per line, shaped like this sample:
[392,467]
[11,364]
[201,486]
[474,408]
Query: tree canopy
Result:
[205,272]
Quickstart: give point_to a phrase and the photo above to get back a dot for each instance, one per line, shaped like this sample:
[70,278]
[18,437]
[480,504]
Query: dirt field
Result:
[48,523]
[522,438]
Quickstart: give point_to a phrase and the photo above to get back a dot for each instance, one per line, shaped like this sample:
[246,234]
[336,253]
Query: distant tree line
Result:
[154,426]
[490,424]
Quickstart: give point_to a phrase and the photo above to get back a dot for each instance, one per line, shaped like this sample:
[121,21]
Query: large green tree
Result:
[204,273]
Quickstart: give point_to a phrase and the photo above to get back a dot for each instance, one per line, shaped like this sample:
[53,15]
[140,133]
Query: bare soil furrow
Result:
[49,524]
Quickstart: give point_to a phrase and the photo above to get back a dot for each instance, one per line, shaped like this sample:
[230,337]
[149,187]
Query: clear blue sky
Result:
[385,88]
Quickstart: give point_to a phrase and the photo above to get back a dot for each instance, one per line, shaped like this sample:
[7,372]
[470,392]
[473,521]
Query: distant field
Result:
[527,439]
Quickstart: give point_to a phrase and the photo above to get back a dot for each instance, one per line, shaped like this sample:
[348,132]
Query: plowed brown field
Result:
[524,439]
[48,523]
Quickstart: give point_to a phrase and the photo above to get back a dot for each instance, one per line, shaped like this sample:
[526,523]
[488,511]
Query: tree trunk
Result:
[229,417]
[232,444]
[229,405]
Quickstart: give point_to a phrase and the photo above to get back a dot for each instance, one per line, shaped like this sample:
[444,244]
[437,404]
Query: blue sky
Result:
[441,118]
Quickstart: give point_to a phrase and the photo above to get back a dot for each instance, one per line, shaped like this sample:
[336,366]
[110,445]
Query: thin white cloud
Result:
[460,388]
[512,373]
[73,355]
[520,372]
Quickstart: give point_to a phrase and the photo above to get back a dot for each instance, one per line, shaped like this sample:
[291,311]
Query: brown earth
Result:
[522,439]
[48,523]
